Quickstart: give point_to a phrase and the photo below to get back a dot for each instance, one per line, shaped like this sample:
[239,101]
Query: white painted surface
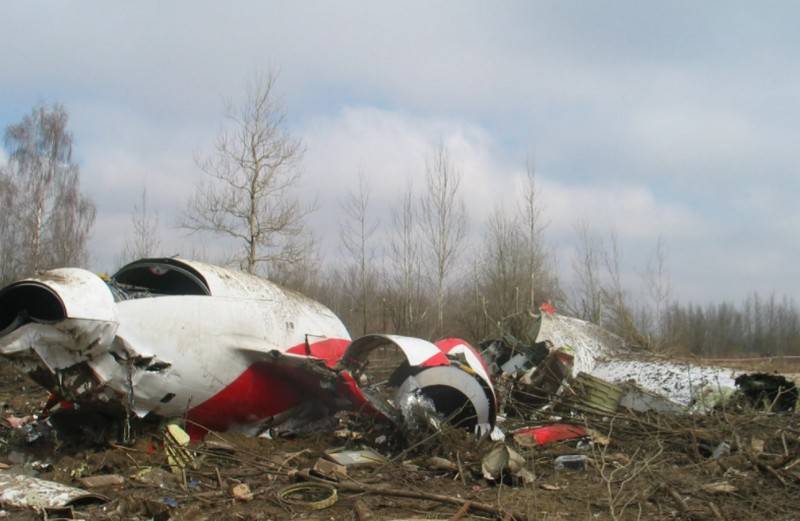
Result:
[416,350]
[83,293]
[605,355]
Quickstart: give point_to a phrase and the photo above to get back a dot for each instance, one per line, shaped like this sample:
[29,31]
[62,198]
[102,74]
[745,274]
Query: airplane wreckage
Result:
[226,350]
[230,351]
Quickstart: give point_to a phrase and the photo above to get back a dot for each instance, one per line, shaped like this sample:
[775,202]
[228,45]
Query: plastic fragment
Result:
[571,462]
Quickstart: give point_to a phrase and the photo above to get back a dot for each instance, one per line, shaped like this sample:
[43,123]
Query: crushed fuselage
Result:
[224,349]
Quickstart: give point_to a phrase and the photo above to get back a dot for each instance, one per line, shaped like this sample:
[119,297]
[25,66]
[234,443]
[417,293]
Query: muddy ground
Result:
[649,468]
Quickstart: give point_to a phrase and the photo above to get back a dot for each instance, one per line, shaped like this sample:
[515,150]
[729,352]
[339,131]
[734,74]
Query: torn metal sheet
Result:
[540,384]
[505,461]
[639,400]
[354,457]
[604,355]
[510,355]
[590,394]
[225,349]
[410,374]
[25,491]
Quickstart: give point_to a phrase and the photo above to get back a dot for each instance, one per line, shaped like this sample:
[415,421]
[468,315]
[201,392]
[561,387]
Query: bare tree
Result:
[541,276]
[405,266]
[9,231]
[54,216]
[70,222]
[619,316]
[145,240]
[252,174]
[300,274]
[356,231]
[503,272]
[659,288]
[587,295]
[443,221]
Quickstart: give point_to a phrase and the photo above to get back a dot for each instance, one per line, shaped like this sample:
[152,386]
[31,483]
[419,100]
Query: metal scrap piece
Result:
[25,491]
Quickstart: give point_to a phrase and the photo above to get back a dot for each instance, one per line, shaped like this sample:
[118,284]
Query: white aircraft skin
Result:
[226,349]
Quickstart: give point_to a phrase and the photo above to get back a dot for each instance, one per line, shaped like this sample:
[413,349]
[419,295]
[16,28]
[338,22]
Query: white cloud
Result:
[652,119]
[633,212]
[391,149]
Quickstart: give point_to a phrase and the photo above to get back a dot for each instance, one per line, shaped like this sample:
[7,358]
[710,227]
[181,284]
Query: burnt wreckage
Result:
[226,350]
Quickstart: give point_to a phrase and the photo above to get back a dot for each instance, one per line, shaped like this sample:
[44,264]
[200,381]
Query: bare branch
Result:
[251,176]
[444,225]
[52,218]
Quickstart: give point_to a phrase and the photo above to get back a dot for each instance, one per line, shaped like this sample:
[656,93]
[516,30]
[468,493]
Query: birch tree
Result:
[9,240]
[659,288]
[504,269]
[444,224]
[251,177]
[587,290]
[405,266]
[532,222]
[145,239]
[53,217]
[356,230]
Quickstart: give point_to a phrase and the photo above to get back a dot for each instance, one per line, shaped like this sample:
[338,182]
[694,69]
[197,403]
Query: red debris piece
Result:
[551,433]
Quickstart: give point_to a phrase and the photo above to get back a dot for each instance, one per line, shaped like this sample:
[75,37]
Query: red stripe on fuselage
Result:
[331,350]
[258,393]
[265,390]
[447,345]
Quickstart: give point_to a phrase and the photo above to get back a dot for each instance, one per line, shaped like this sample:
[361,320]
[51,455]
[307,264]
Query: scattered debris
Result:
[25,491]
[723,449]
[312,496]
[603,355]
[355,457]
[549,487]
[175,442]
[241,492]
[330,470]
[438,463]
[155,476]
[15,422]
[771,392]
[362,511]
[571,462]
[719,487]
[757,445]
[102,480]
[532,436]
[637,399]
[512,356]
[503,461]
[590,394]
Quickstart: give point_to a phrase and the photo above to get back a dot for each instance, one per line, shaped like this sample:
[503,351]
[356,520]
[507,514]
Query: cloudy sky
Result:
[670,119]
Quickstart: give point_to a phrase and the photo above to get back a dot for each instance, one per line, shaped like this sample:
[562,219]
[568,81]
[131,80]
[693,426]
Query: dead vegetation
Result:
[732,464]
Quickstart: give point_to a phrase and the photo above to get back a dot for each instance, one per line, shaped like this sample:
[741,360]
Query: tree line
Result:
[413,274]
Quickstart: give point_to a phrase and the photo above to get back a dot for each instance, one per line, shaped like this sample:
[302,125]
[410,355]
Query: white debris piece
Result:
[605,355]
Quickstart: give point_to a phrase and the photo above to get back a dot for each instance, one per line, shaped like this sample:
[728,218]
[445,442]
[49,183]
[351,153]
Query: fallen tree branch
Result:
[412,494]
[458,516]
